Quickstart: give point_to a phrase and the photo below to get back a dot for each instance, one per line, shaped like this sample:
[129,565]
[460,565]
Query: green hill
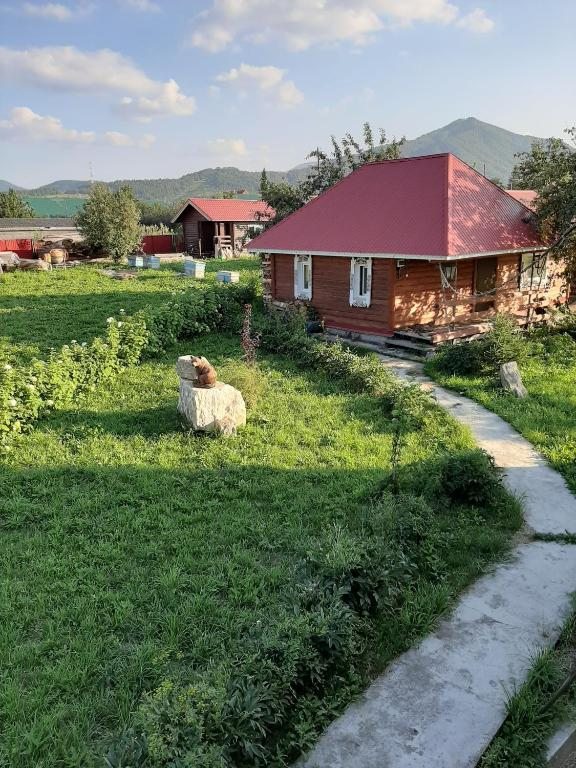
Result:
[489,149]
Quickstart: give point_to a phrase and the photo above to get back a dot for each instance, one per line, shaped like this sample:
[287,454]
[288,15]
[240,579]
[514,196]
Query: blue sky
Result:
[152,88]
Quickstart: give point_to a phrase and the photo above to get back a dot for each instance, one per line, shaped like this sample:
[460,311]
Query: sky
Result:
[160,88]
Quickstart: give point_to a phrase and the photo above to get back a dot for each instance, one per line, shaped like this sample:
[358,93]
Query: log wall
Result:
[331,292]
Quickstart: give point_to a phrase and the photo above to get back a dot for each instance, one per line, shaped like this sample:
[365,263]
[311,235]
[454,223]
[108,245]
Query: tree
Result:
[550,169]
[110,221]
[263,183]
[13,206]
[345,156]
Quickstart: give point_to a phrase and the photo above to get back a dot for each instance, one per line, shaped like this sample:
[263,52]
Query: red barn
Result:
[215,226]
[425,245]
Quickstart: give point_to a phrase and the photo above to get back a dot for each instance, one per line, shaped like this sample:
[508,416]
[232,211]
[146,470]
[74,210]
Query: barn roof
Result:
[434,206]
[242,211]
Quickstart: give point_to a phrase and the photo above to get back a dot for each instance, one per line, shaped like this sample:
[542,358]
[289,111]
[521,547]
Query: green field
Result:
[137,555]
[60,206]
[39,310]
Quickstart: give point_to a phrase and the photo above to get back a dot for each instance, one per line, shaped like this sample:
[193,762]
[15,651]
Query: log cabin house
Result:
[410,250]
[216,227]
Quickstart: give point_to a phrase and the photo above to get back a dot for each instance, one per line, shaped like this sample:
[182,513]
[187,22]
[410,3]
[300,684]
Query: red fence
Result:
[150,244]
[161,244]
[22,247]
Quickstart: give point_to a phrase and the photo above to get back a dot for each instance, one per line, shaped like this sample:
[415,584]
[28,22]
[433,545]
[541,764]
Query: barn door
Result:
[485,283]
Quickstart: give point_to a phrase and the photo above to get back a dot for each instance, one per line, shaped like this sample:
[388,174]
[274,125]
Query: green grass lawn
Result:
[133,551]
[39,310]
[547,418]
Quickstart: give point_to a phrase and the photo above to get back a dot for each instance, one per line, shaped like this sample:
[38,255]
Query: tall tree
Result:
[263,183]
[110,221]
[550,169]
[13,206]
[344,156]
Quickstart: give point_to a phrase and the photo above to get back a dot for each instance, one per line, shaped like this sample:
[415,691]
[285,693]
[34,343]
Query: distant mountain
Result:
[6,185]
[62,187]
[486,147]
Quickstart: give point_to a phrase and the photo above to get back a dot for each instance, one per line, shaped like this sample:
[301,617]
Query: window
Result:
[303,277]
[360,282]
[533,273]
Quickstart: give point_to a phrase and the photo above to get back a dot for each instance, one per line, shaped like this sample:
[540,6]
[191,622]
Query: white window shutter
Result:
[296,286]
[352,281]
[369,282]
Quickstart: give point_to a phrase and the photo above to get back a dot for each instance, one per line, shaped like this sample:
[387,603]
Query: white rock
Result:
[206,409]
[512,380]
[186,369]
[9,261]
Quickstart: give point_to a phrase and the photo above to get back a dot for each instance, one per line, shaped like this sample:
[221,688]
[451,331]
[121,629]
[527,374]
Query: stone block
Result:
[207,409]
[512,380]
[186,369]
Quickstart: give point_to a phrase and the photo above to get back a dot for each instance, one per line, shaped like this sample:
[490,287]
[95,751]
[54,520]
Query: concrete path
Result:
[440,704]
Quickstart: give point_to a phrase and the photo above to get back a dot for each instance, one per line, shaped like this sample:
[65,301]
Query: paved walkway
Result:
[439,704]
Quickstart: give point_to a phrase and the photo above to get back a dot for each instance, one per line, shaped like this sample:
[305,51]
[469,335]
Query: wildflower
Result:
[33,378]
[30,387]
[109,320]
[73,341]
[7,367]
[12,403]
[49,403]
[120,323]
[122,311]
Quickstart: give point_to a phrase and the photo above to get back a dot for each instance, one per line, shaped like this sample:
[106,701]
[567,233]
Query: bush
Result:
[250,380]
[502,344]
[470,478]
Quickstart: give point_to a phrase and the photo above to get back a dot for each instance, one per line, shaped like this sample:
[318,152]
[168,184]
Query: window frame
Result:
[359,297]
[538,279]
[301,262]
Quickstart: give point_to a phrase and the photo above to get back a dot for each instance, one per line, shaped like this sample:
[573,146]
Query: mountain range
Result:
[488,148]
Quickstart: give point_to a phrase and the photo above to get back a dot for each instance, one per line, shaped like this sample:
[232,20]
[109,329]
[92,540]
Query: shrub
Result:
[463,359]
[502,344]
[250,380]
[470,478]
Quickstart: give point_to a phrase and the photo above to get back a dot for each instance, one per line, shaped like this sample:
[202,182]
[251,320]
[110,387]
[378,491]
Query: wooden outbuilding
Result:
[418,247]
[216,227]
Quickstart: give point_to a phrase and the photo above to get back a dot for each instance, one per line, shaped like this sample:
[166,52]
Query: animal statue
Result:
[206,373]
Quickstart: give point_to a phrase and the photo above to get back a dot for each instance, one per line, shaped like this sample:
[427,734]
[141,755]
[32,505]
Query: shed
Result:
[220,226]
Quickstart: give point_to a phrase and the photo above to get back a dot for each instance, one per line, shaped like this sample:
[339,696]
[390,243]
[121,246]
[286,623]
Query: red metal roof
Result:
[231,210]
[433,206]
[525,196]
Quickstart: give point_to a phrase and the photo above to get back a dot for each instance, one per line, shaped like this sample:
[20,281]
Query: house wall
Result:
[408,297]
[331,291]
[419,299]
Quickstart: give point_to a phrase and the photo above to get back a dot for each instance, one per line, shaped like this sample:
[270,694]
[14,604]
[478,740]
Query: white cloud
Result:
[228,148]
[269,80]
[168,100]
[57,11]
[69,69]
[476,21]
[48,11]
[117,139]
[146,6]
[26,125]
[300,24]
